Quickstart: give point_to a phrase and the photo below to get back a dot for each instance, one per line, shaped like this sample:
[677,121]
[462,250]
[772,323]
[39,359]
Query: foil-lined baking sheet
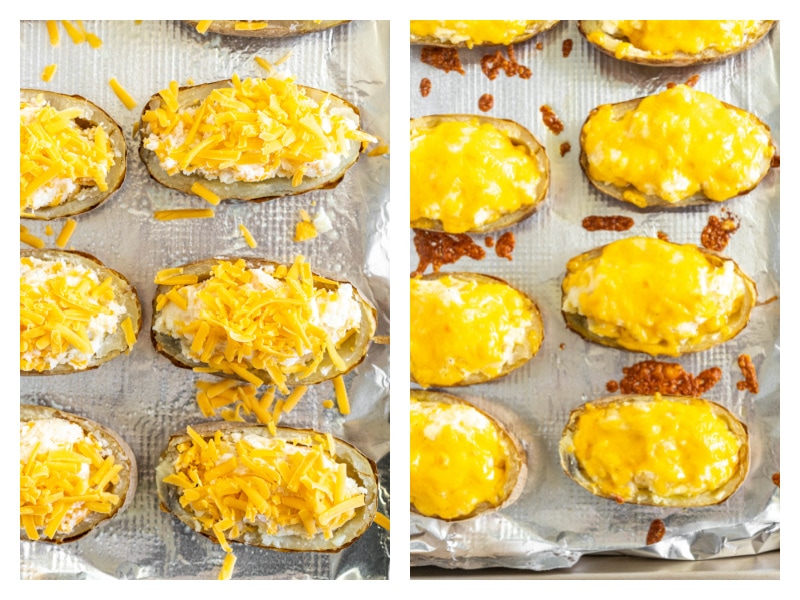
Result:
[555,521]
[143,396]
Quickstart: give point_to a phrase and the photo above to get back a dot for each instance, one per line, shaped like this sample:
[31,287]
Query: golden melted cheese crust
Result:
[470,32]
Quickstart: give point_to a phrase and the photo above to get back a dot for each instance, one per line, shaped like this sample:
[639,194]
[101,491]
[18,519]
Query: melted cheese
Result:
[470,33]
[469,174]
[676,144]
[669,448]
[58,157]
[653,296]
[460,328]
[459,460]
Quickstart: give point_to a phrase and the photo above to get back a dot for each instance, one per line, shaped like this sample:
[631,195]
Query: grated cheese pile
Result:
[255,130]
[66,313]
[242,320]
[57,156]
[65,475]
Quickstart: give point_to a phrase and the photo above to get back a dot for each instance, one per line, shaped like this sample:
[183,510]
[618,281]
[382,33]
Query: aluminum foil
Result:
[555,521]
[143,396]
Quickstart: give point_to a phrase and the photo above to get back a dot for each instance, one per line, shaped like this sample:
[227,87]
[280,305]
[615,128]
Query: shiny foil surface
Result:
[142,396]
[555,521]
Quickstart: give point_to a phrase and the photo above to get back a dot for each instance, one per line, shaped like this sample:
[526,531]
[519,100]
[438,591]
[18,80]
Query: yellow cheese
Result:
[249,25]
[248,237]
[52,32]
[66,232]
[342,401]
[28,238]
[265,64]
[74,33]
[226,572]
[49,72]
[202,26]
[689,37]
[183,213]
[470,32]
[122,94]
[382,520]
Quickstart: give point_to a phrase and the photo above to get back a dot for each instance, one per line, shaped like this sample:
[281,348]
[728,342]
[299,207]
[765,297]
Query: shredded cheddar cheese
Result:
[66,233]
[28,238]
[265,64]
[52,32]
[122,94]
[49,72]
[75,34]
[202,26]
[226,572]
[248,237]
[205,193]
[382,520]
[342,401]
[183,213]
[250,25]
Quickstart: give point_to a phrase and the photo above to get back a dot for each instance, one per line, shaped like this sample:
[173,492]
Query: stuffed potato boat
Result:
[656,450]
[261,321]
[679,147]
[62,504]
[265,29]
[260,139]
[75,313]
[463,461]
[673,43]
[469,328]
[294,491]
[474,174]
[72,155]
[648,295]
[475,33]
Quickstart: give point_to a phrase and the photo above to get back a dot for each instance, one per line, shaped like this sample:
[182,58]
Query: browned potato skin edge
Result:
[532,30]
[123,454]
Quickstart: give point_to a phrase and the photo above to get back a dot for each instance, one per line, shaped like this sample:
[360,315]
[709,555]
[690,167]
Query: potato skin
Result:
[87,198]
[274,29]
[573,470]
[533,28]
[519,136]
[360,467]
[115,344]
[128,476]
[608,45]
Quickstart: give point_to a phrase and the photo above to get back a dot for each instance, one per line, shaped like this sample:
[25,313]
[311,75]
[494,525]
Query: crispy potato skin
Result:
[533,29]
[128,476]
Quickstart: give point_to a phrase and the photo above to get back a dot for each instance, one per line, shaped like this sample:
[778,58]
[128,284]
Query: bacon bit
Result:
[717,233]
[445,59]
[539,45]
[425,87]
[492,64]
[776,161]
[671,85]
[437,248]
[776,479]
[618,499]
[612,387]
[610,223]
[651,376]
[505,245]
[692,81]
[551,120]
[562,346]
[566,47]
[486,102]
[564,148]
[662,236]
[656,532]
[489,242]
[750,382]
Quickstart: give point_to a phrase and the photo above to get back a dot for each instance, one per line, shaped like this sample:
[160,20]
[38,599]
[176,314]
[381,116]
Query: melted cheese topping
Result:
[241,320]
[459,460]
[236,485]
[668,448]
[470,32]
[653,296]
[676,144]
[58,157]
[255,130]
[469,174]
[65,475]
[66,313]
[464,327]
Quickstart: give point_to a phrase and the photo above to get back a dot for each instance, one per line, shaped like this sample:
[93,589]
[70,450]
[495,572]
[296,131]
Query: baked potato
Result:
[463,461]
[263,500]
[59,505]
[259,321]
[72,155]
[469,328]
[304,139]
[680,147]
[649,295]
[657,450]
[267,28]
[673,43]
[474,174]
[75,313]
[475,33]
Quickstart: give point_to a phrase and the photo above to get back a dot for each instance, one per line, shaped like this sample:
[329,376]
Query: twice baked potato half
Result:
[59,504]
[656,450]
[261,321]
[463,461]
[296,490]
[72,155]
[75,313]
[262,138]
[266,29]
[648,295]
[469,328]
[474,174]
[673,43]
[679,147]
[475,33]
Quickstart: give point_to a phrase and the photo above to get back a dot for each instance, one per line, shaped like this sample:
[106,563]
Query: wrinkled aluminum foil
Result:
[555,521]
[143,396]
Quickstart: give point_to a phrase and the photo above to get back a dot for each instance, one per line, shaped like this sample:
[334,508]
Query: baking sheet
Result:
[143,396]
[555,521]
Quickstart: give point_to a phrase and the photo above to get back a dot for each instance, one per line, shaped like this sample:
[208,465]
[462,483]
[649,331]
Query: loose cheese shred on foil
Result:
[122,94]
[28,238]
[66,232]
[48,72]
[183,213]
